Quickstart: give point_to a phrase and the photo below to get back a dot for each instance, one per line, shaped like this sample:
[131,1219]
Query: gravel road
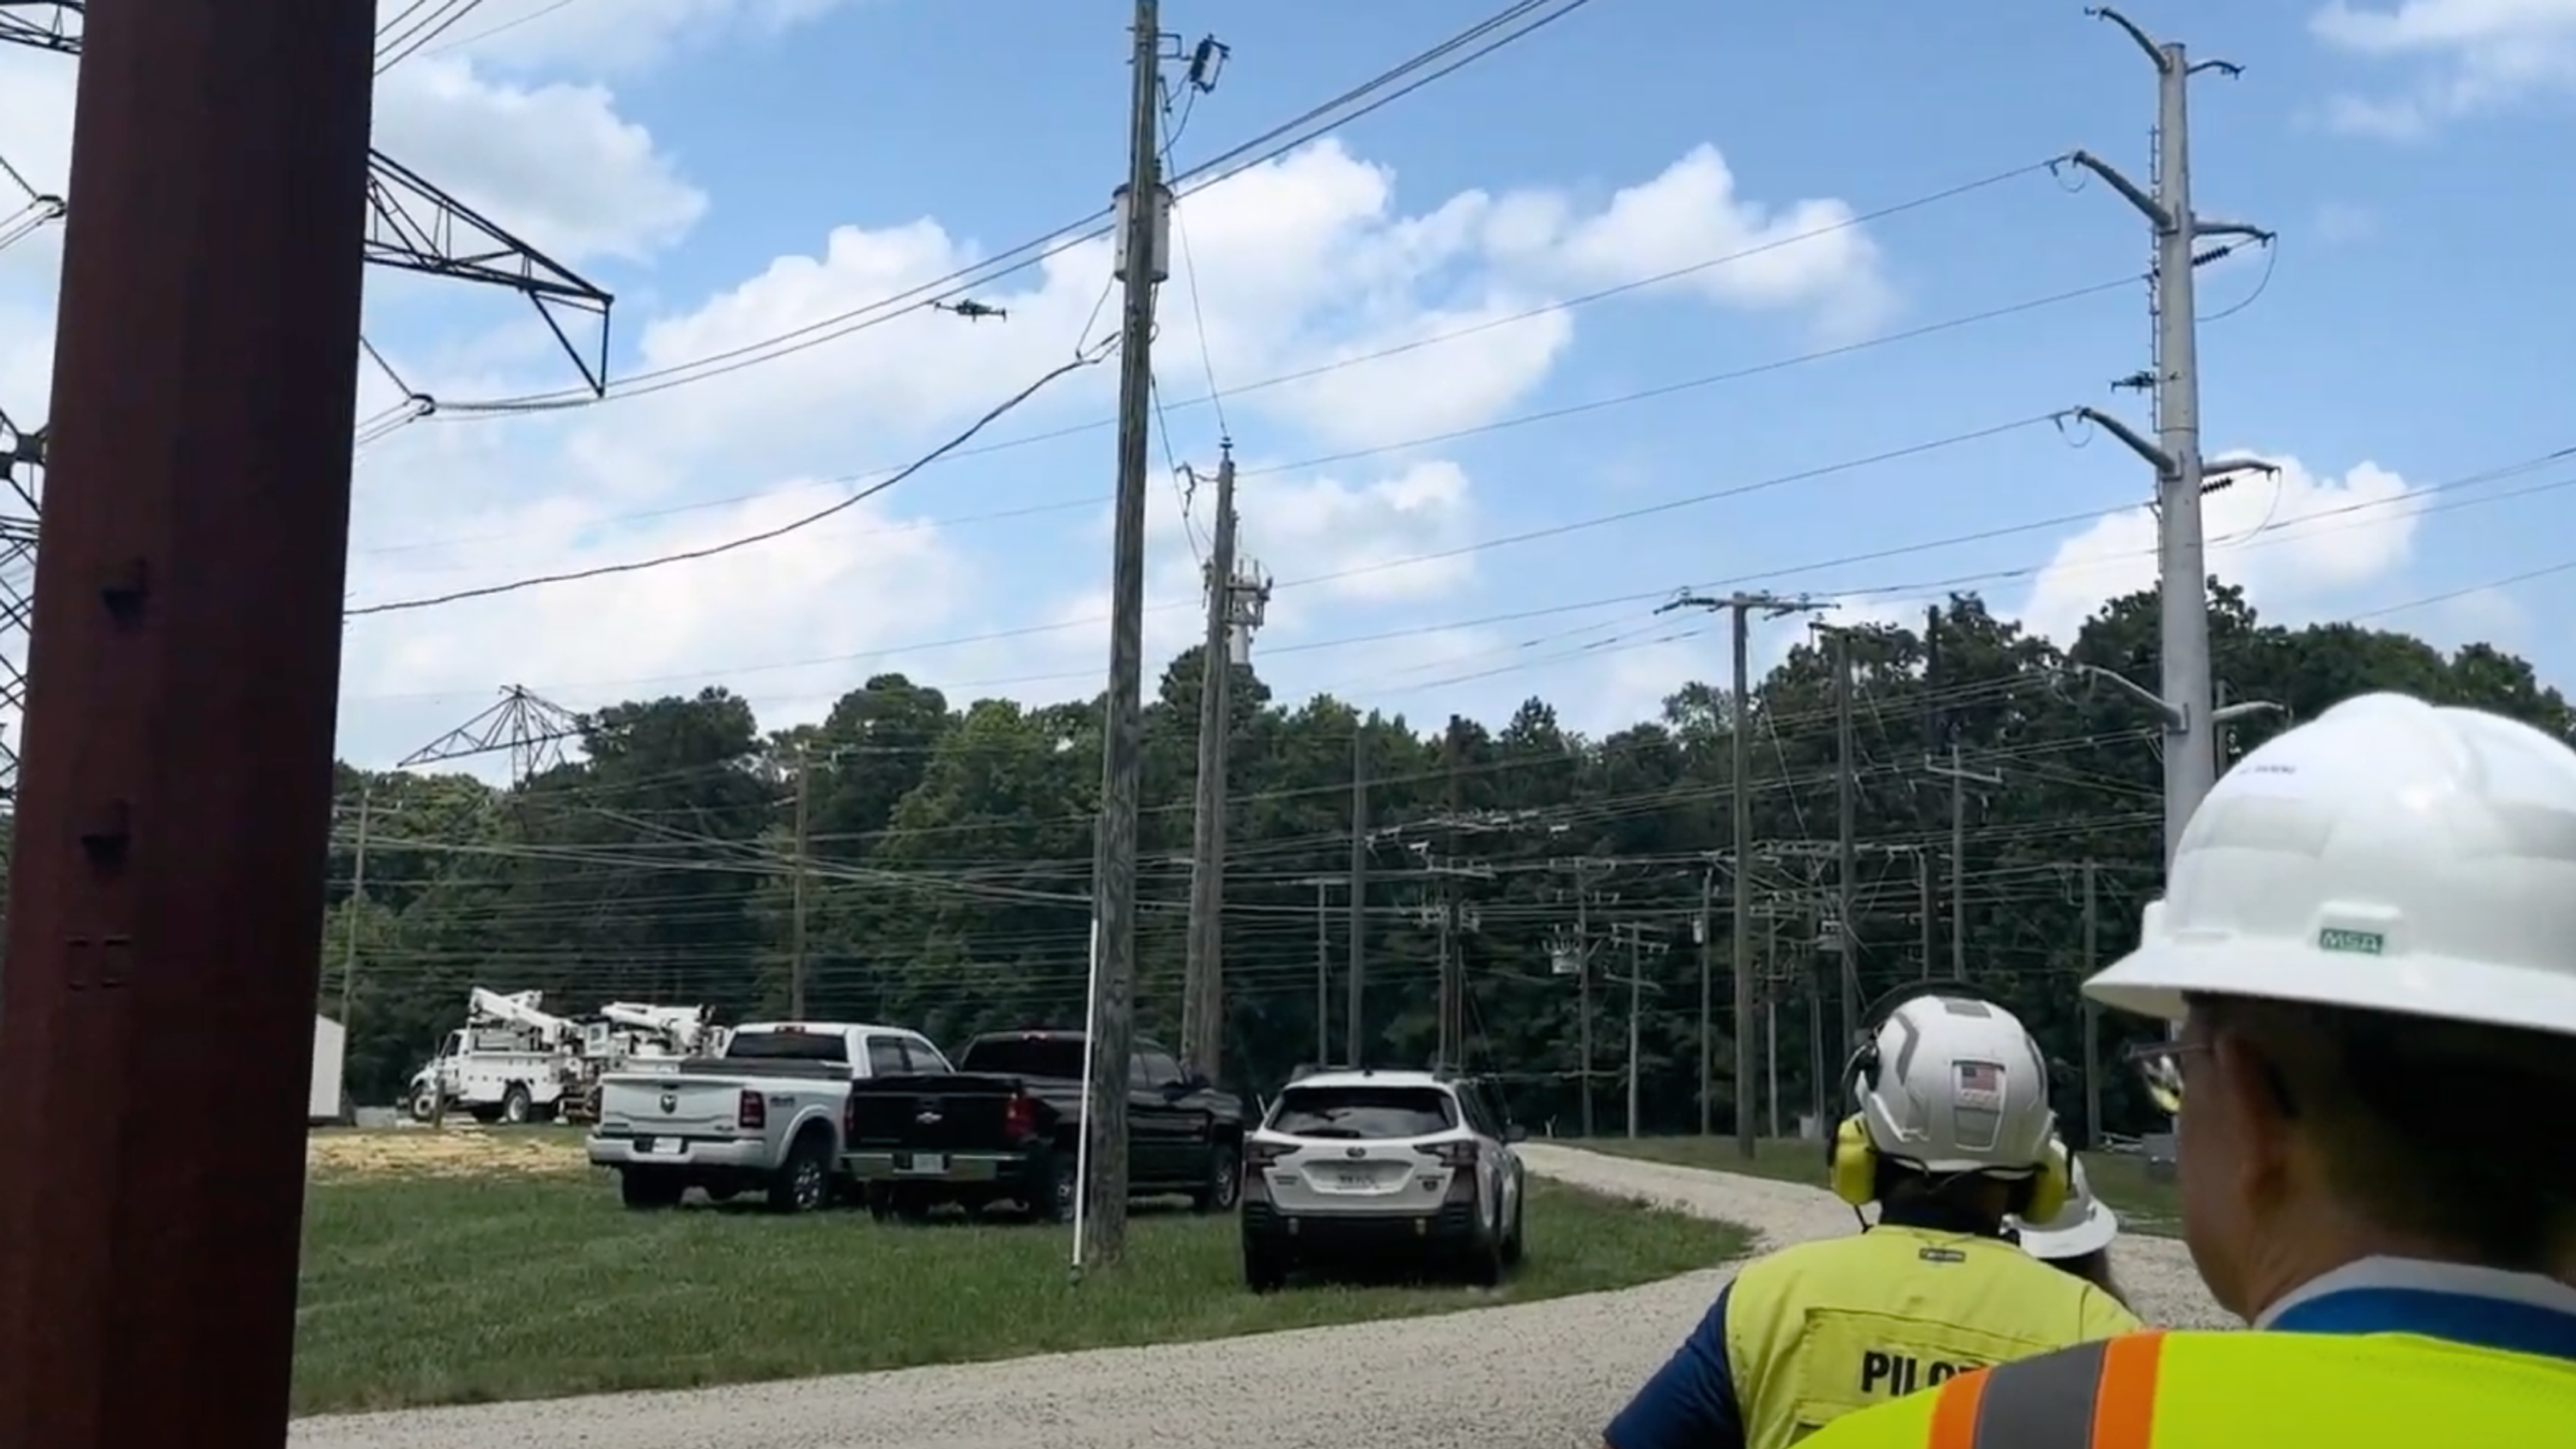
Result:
[1527,1376]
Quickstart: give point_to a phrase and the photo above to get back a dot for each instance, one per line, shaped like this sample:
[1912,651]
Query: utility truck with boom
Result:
[512,1061]
[765,1115]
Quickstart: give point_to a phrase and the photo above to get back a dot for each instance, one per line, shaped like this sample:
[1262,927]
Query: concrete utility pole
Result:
[1846,937]
[1703,938]
[1584,868]
[357,902]
[1959,777]
[1355,1008]
[1323,967]
[2182,703]
[796,885]
[1145,211]
[1203,979]
[1634,934]
[1740,797]
[2092,1020]
[192,564]
[1923,904]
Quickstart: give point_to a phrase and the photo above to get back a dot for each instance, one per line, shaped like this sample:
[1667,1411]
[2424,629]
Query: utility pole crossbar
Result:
[1740,606]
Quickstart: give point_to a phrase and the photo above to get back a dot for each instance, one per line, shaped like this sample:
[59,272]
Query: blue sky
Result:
[738,169]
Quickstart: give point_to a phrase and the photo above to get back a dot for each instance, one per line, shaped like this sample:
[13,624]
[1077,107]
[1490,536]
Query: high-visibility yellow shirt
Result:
[2359,1369]
[1811,1333]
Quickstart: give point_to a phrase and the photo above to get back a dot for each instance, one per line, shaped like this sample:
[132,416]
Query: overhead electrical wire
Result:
[1475,43]
[1479,328]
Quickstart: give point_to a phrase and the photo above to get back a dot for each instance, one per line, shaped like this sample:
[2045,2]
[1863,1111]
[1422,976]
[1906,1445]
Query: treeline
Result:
[946,857]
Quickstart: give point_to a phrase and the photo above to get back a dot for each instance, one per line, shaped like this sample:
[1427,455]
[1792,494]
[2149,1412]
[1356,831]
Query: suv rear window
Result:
[1364,1112]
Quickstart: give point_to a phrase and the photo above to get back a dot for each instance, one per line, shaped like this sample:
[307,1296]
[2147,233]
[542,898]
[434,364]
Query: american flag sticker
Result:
[1978,1086]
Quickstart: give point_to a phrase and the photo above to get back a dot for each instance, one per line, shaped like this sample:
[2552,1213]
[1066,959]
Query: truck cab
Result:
[765,1116]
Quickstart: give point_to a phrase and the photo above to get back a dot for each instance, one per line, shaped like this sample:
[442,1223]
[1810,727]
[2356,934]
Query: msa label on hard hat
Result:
[1977,1086]
[2358,943]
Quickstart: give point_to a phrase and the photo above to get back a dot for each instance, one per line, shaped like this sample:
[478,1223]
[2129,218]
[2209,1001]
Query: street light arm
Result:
[2244,709]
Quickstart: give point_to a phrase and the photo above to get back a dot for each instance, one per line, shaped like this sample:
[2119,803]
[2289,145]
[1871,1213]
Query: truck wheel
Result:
[645,1190]
[515,1106]
[1224,1186]
[1056,1188]
[803,1183]
[424,1104]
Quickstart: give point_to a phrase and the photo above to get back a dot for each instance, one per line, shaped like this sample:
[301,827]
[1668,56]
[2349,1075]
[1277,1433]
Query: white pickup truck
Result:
[765,1116]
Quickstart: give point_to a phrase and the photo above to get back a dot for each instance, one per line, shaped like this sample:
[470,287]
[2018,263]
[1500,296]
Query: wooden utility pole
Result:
[1846,938]
[1740,796]
[1203,979]
[2092,1019]
[1140,264]
[174,795]
[796,885]
[1355,1024]
[357,904]
[1453,985]
[1707,1025]
[1960,777]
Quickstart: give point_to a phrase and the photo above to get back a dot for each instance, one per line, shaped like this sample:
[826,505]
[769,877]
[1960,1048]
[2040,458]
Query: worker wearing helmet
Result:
[1952,1134]
[2369,942]
[2077,1240]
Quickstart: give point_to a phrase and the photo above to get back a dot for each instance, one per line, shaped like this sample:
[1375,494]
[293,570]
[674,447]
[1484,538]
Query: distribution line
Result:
[1491,32]
[2274,535]
[1455,334]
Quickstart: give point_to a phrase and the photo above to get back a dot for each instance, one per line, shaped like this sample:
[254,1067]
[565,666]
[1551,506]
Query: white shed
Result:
[330,1048]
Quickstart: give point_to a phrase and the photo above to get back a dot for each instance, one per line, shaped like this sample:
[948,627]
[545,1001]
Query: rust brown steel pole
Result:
[175,792]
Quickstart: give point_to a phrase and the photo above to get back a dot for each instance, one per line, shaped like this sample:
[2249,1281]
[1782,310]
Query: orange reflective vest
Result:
[2162,1390]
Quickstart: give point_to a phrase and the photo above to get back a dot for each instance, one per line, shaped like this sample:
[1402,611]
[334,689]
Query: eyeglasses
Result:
[2159,1066]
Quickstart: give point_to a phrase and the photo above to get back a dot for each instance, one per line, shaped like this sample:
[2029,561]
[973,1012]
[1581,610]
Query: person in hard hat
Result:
[1951,1136]
[2369,943]
[2077,1240]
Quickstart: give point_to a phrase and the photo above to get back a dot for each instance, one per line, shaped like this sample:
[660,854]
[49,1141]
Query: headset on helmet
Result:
[1851,1158]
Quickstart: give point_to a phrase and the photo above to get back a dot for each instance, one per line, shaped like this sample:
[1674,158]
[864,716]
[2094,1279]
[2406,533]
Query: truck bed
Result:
[946,1112]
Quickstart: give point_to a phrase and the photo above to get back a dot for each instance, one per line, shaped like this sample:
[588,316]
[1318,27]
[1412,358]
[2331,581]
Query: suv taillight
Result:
[850,1117]
[1020,1117]
[753,1113]
[1460,1155]
[1258,1155]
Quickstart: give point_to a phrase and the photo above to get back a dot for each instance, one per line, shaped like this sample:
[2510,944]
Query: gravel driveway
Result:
[1528,1376]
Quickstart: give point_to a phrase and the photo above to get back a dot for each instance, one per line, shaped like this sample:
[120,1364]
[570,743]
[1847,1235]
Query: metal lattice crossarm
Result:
[529,729]
[412,225]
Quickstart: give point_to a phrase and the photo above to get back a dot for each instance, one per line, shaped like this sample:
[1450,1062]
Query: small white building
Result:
[330,1052]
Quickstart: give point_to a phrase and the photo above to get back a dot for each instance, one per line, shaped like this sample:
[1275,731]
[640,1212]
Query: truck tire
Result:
[645,1190]
[1055,1185]
[424,1104]
[1224,1186]
[803,1183]
[516,1108]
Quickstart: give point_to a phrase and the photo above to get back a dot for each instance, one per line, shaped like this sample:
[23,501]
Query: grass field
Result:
[466,1266]
[2121,1181]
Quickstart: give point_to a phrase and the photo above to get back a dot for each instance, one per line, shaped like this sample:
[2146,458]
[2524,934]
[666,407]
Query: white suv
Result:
[1347,1162]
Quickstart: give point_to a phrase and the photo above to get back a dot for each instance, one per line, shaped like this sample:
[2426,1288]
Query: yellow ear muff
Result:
[1852,1163]
[2050,1187]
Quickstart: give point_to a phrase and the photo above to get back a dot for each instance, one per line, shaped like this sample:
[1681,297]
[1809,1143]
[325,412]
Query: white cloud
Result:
[597,36]
[553,162]
[2471,56]
[2293,540]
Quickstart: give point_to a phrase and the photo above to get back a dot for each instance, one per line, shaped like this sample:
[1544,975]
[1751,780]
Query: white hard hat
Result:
[2086,1225]
[1952,1084]
[2389,855]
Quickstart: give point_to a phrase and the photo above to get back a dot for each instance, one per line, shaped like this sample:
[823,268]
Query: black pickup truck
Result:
[1006,1125]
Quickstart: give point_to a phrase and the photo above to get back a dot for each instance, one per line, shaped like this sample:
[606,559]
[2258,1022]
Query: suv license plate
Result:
[925,1162]
[1351,1179]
